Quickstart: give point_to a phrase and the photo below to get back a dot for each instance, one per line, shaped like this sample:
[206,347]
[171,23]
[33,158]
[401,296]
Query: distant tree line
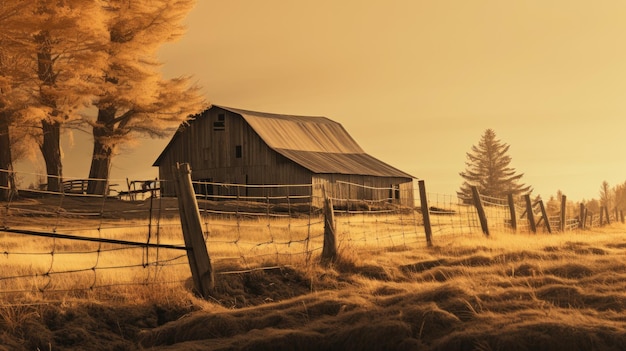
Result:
[488,169]
[58,58]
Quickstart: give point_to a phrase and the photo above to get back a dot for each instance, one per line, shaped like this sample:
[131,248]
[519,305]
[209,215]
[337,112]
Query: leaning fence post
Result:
[197,254]
[481,211]
[329,250]
[512,211]
[544,214]
[425,213]
[529,213]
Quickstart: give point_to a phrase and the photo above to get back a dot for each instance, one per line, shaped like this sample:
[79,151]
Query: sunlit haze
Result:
[416,83]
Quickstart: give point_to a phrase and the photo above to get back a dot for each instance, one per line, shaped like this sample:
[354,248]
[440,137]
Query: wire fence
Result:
[71,240]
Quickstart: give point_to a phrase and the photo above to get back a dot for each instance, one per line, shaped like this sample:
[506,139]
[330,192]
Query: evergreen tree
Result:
[487,168]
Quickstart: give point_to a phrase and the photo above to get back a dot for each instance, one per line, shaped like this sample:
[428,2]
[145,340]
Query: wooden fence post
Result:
[197,254]
[329,249]
[530,213]
[481,211]
[512,212]
[601,216]
[544,214]
[581,217]
[425,213]
[563,212]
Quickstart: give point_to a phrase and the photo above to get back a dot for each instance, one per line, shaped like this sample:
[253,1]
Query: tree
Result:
[14,84]
[487,168]
[134,99]
[68,40]
[620,196]
[606,195]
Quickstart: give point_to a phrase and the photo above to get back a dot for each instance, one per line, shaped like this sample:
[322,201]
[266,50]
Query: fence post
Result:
[544,214]
[512,212]
[581,217]
[563,212]
[329,250]
[481,211]
[425,213]
[601,216]
[197,254]
[530,214]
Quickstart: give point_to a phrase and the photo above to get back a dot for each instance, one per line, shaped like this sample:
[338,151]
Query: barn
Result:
[234,146]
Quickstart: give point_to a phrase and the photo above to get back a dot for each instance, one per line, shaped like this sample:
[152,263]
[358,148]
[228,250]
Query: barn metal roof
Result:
[315,143]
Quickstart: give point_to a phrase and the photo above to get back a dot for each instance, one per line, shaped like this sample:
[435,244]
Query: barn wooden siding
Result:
[211,154]
[350,190]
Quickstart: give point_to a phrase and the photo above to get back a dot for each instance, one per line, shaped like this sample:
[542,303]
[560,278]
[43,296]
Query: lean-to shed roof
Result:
[315,143]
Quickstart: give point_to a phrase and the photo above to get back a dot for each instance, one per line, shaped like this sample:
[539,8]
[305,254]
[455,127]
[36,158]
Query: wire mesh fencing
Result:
[77,240]
[70,240]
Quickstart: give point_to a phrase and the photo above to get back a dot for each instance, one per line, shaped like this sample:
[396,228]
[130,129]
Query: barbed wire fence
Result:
[74,241]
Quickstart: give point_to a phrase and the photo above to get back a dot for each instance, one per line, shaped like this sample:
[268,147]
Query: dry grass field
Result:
[507,292]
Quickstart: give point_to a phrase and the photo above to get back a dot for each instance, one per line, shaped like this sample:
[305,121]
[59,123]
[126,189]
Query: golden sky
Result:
[417,82]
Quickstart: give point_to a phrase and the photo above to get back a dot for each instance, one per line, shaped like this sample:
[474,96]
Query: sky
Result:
[416,83]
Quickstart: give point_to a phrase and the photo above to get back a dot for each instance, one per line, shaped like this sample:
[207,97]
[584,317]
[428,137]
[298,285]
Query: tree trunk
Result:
[51,151]
[5,157]
[51,145]
[102,151]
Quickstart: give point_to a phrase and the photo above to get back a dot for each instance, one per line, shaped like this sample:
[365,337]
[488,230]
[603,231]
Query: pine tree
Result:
[134,99]
[487,168]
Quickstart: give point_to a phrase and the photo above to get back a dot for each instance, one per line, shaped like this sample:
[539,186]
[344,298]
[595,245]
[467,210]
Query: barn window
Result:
[238,151]
[220,124]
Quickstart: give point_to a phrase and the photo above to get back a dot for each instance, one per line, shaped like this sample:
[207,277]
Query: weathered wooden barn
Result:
[229,145]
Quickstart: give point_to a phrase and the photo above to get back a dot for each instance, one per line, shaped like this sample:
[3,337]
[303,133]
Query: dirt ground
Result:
[559,292]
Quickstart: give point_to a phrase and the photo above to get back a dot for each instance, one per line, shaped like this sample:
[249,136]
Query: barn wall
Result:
[353,193]
[211,145]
